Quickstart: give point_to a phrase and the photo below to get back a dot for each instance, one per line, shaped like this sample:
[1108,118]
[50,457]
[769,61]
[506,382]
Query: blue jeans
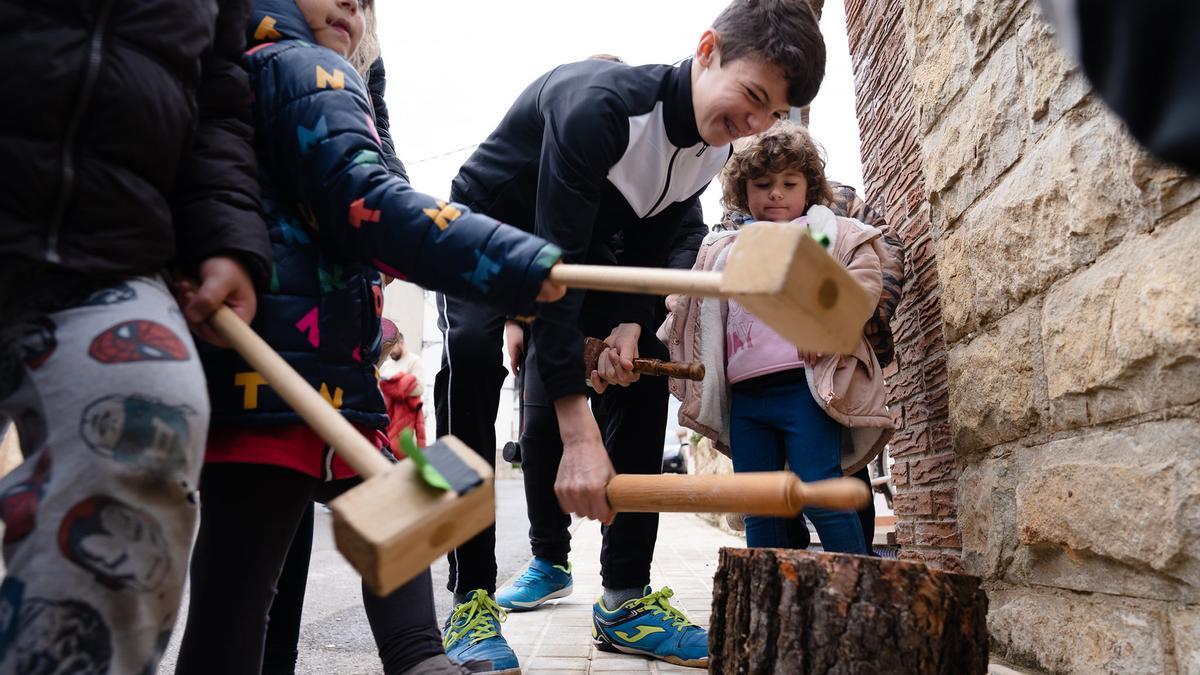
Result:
[783,422]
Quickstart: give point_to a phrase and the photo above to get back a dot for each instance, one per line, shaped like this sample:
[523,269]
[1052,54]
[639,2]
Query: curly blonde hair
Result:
[784,147]
[368,47]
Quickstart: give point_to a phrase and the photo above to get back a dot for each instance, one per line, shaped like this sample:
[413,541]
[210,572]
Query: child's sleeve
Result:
[215,203]
[322,140]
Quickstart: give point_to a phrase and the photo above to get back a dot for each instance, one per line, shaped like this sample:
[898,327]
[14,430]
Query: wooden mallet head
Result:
[394,525]
[777,271]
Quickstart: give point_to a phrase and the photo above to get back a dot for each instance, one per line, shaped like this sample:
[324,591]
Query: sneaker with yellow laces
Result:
[472,637]
[650,626]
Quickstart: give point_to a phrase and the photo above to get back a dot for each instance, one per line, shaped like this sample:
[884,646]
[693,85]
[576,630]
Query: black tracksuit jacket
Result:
[588,152]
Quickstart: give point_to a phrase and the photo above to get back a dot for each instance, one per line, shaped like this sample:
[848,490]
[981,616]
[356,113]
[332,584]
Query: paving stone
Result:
[580,650]
[540,663]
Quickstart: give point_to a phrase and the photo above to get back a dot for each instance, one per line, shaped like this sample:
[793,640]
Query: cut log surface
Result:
[787,611]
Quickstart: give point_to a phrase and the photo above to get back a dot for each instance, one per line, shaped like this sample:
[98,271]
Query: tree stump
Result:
[789,611]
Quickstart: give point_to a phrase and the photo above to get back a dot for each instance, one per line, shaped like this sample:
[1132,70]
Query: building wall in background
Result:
[1054,429]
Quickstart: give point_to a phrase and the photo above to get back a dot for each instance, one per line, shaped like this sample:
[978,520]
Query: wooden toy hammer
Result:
[691,370]
[403,516]
[777,271]
[766,493]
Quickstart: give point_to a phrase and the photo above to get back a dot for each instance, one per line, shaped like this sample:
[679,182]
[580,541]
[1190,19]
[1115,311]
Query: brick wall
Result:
[924,472]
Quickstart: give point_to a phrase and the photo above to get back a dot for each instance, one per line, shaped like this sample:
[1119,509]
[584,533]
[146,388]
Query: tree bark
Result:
[790,611]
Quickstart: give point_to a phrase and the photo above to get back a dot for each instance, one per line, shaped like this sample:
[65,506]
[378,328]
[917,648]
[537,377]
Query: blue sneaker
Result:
[472,637]
[541,581]
[650,626]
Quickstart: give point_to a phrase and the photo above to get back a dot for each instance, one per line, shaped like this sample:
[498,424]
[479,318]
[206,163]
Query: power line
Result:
[444,154]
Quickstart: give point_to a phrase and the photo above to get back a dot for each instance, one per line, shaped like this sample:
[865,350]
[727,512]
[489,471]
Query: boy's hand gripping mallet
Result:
[393,525]
[777,271]
[684,370]
[767,493]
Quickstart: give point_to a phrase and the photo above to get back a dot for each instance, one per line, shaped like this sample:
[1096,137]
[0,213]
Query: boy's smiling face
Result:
[737,99]
[336,24]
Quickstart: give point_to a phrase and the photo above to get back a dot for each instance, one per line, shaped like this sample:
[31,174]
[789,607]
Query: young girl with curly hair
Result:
[770,403]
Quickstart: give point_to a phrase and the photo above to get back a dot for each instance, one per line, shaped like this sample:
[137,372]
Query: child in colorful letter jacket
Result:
[337,218]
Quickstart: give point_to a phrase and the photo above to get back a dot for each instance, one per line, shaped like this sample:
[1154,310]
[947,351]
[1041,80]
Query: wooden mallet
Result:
[393,525]
[777,271]
[767,493]
[685,370]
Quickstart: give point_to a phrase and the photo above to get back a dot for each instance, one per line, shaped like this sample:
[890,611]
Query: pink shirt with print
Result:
[752,349]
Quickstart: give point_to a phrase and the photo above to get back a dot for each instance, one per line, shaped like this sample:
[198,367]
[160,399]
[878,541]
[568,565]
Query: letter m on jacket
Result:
[324,79]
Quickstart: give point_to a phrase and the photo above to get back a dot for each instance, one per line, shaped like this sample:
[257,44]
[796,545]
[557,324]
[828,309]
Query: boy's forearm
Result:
[575,420]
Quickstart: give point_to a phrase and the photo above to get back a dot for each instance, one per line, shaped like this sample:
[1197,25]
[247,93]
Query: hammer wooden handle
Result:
[772,493]
[683,370]
[350,445]
[646,280]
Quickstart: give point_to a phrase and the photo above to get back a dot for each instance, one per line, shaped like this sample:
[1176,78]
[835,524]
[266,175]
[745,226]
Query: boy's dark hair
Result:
[786,146]
[781,32]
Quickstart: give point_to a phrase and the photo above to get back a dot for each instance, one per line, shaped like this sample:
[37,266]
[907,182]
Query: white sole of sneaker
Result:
[534,604]
[694,663]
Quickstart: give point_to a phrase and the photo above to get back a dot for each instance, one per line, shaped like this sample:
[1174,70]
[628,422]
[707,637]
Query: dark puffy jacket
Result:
[125,137]
[337,216]
[377,85]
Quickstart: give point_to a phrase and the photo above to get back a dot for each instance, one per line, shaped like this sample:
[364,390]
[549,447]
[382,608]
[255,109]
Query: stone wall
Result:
[924,471]
[1069,264]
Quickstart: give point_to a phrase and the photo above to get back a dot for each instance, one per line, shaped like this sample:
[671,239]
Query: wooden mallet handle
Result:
[771,493]
[684,370]
[350,445]
[646,280]
[592,348]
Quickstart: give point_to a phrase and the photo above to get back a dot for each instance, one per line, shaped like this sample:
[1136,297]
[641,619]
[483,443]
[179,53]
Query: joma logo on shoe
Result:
[642,631]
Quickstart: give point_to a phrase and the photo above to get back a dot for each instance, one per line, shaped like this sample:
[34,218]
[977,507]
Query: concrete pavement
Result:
[336,639]
[557,637]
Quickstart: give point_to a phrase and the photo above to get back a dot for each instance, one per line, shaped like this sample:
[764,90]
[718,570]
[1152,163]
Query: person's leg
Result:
[541,447]
[466,396]
[635,426]
[248,519]
[287,609]
[756,445]
[813,443]
[798,535]
[403,622]
[548,575]
[866,516]
[109,399]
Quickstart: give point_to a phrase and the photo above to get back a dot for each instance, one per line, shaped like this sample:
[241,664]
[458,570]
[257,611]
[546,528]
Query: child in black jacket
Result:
[124,150]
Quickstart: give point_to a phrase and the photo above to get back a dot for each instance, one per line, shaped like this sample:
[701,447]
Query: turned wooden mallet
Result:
[395,523]
[777,271]
[684,370]
[767,493]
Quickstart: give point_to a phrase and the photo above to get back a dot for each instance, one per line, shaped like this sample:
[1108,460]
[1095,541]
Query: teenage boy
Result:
[589,150]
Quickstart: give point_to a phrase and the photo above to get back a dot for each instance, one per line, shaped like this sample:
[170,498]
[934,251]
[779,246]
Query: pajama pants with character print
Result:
[109,399]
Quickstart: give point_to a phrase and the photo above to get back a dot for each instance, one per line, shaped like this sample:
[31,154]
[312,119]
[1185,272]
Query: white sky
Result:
[455,67]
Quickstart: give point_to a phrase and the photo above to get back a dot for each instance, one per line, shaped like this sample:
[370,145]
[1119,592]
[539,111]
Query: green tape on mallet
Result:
[433,477]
